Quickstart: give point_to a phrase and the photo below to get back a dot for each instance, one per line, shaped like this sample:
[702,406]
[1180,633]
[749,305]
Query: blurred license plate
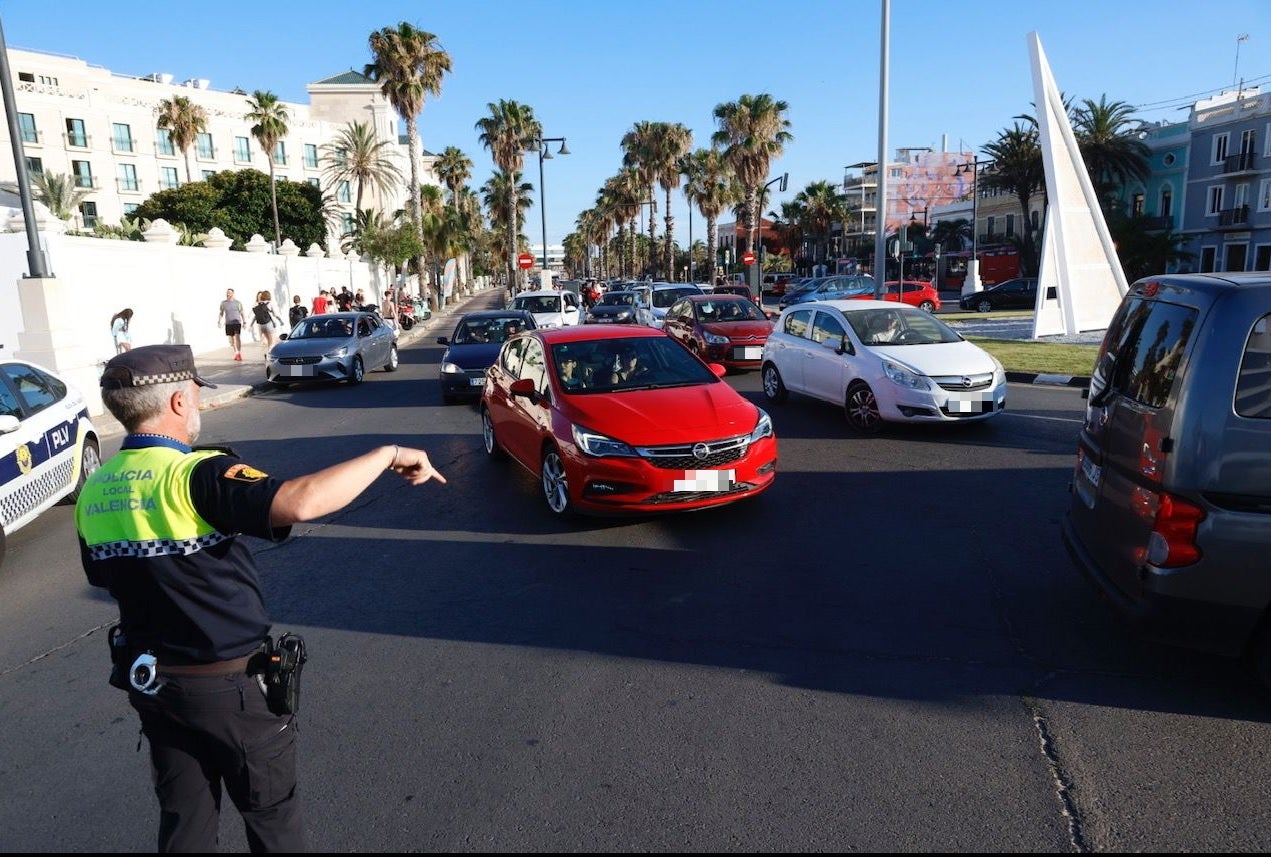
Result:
[748,352]
[476,382]
[695,481]
[603,320]
[298,371]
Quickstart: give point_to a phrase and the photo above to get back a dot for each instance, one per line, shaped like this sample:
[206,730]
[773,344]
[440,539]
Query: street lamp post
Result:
[973,267]
[755,280]
[539,145]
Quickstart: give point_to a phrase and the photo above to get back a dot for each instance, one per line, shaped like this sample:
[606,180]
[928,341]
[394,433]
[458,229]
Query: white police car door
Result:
[37,460]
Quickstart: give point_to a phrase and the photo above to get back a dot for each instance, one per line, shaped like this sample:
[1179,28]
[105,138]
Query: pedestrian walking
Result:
[298,311]
[119,330]
[232,316]
[216,696]
[388,309]
[266,318]
[320,303]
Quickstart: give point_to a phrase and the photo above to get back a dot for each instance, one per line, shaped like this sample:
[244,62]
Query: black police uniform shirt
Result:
[205,606]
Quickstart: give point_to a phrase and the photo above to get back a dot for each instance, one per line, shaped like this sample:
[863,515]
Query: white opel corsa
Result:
[881,362]
[550,308]
[48,445]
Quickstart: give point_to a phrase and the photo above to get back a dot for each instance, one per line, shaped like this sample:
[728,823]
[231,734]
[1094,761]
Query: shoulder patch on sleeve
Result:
[244,473]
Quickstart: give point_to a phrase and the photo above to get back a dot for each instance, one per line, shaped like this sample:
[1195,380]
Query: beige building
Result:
[100,128]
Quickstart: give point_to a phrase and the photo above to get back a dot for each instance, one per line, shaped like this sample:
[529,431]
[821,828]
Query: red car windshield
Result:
[710,312]
[619,365]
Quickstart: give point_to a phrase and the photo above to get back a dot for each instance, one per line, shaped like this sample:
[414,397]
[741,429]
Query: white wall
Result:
[174,292]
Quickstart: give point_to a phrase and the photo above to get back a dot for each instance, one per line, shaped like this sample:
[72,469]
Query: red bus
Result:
[996,265]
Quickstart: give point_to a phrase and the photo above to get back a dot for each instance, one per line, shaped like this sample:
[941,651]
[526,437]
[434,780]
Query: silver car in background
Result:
[341,346]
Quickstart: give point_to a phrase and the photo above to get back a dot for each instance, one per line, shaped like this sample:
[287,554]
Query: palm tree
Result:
[674,142]
[505,219]
[1107,134]
[356,155]
[709,185]
[270,116]
[820,205]
[1017,168]
[639,147]
[453,168]
[59,193]
[184,121]
[409,65]
[754,129]
[505,132]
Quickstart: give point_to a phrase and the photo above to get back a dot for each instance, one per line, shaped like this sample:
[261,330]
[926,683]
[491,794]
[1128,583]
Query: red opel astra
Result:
[724,329]
[619,420]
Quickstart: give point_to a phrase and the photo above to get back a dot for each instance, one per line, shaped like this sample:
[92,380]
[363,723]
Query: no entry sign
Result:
[525,260]
[748,258]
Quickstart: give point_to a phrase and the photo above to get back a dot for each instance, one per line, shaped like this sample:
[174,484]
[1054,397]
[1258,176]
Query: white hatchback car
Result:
[881,362]
[550,307]
[48,445]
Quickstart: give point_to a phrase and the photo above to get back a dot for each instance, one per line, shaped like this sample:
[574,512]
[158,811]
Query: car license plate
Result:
[696,481]
[1087,487]
[298,371]
[748,352]
[476,382]
[603,320]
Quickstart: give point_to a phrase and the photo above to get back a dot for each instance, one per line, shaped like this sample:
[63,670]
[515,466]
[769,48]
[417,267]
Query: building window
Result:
[1136,205]
[83,172]
[206,150]
[344,193]
[311,156]
[35,166]
[1215,200]
[163,142]
[168,177]
[48,81]
[1220,149]
[341,156]
[1034,220]
[75,134]
[1207,257]
[130,208]
[280,154]
[1247,144]
[242,150]
[26,125]
[990,224]
[121,137]
[1010,225]
[127,174]
[207,174]
[1167,202]
[315,182]
[346,224]
[88,211]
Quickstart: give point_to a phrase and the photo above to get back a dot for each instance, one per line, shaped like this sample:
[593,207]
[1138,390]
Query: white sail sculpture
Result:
[1078,258]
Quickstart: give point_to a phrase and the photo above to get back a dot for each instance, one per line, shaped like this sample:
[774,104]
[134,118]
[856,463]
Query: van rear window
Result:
[1148,343]
[1253,385]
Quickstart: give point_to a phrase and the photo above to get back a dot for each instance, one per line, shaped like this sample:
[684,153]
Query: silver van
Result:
[1170,514]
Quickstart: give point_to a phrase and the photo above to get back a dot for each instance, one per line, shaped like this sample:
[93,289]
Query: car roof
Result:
[534,293]
[591,332]
[716,297]
[854,306]
[496,313]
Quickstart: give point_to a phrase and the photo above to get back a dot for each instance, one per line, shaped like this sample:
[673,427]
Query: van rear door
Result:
[1128,433]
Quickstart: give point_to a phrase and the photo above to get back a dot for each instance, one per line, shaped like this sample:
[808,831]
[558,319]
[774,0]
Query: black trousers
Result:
[210,732]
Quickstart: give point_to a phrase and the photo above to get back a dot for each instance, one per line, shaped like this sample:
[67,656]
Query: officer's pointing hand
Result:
[413,466]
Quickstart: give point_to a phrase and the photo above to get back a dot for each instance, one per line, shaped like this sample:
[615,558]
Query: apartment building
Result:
[100,128]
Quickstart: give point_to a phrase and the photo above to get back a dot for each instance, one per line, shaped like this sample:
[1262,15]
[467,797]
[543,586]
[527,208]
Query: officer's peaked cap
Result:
[152,364]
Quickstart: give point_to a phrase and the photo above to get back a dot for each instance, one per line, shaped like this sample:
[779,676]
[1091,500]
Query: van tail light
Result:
[1173,539]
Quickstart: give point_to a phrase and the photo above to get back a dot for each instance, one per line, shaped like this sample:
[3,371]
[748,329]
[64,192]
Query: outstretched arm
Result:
[307,497]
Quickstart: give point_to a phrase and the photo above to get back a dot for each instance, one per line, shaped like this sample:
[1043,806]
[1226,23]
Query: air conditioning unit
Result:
[164,77]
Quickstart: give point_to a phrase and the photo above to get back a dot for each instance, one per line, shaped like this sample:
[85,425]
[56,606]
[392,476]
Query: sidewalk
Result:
[235,379]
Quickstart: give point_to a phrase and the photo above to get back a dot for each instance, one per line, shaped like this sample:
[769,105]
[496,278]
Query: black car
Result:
[1019,293]
[620,307]
[473,347]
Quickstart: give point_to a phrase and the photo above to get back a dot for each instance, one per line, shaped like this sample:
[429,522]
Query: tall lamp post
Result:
[539,146]
[973,267]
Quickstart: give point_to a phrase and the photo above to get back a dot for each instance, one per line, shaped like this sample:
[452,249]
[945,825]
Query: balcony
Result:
[128,185]
[77,141]
[87,183]
[1241,163]
[1234,217]
[1155,224]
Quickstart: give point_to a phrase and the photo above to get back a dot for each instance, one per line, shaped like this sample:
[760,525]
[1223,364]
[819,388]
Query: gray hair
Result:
[134,406]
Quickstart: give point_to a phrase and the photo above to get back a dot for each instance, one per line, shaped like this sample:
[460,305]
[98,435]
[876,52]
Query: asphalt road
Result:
[887,651]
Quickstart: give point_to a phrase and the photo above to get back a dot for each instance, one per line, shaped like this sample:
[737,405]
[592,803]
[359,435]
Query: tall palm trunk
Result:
[273,199]
[711,248]
[513,268]
[413,208]
[652,254]
[669,255]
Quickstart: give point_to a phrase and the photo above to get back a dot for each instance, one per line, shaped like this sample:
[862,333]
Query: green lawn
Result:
[1052,358]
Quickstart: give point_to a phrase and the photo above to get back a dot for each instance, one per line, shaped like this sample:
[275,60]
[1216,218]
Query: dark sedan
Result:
[472,348]
[1019,293]
[621,307]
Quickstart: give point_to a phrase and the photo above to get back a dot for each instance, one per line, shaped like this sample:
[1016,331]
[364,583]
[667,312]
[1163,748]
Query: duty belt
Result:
[255,662]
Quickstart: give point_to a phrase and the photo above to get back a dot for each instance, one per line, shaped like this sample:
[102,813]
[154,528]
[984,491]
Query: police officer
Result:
[158,527]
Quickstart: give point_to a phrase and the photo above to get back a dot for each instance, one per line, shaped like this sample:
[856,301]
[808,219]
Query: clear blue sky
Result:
[959,71]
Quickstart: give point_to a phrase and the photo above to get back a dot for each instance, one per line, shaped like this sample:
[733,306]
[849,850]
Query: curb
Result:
[1049,380]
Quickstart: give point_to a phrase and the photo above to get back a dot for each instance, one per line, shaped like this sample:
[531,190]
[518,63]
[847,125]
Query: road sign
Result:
[748,258]
[525,261]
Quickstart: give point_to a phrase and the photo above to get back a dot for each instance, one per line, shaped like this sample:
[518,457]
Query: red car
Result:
[725,329]
[616,420]
[919,293]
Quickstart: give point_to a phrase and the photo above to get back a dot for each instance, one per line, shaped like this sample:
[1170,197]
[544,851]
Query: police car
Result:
[48,445]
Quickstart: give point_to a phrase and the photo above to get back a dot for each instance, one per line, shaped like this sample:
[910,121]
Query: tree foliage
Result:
[239,203]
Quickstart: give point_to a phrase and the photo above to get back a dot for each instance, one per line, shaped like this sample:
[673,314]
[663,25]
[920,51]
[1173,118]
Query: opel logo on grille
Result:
[966,382]
[701,451]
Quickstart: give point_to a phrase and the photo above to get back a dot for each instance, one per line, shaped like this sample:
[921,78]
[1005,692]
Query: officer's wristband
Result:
[396,450]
